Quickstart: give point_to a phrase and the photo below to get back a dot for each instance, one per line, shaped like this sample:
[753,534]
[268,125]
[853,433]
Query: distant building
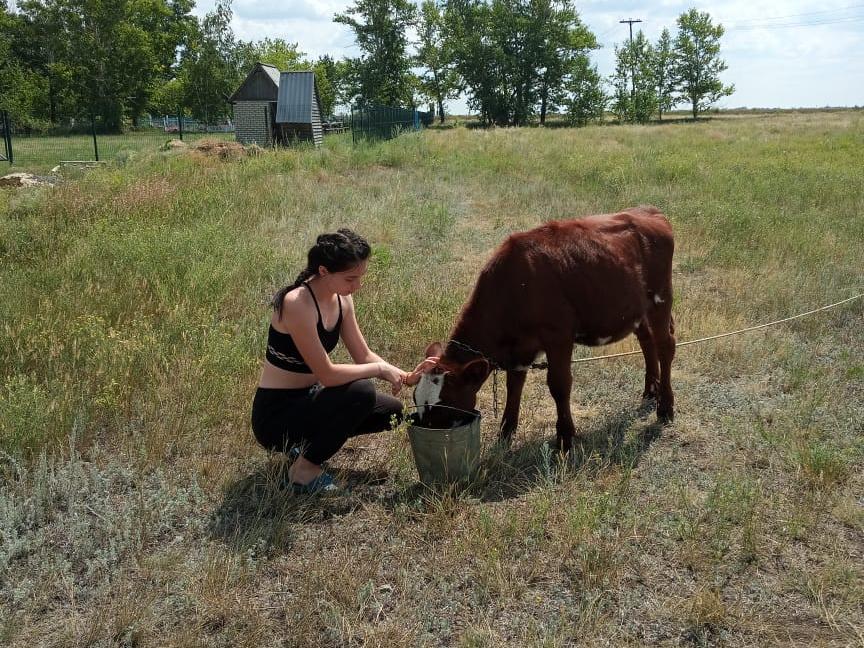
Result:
[298,110]
[255,106]
[277,108]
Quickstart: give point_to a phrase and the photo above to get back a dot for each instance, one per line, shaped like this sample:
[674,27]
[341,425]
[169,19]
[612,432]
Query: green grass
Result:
[136,509]
[41,153]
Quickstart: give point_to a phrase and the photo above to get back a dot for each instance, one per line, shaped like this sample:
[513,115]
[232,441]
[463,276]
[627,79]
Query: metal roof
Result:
[272,71]
[261,84]
[297,92]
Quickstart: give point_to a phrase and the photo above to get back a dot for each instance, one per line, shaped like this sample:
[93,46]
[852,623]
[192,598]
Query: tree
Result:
[587,100]
[697,61]
[102,57]
[211,68]
[440,81]
[19,87]
[382,74]
[514,55]
[663,73]
[277,52]
[634,97]
[562,43]
[324,69]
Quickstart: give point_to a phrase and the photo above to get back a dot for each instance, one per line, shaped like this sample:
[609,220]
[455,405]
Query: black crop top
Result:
[283,353]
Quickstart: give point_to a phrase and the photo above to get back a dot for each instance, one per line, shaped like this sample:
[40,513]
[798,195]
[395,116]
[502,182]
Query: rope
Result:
[545,365]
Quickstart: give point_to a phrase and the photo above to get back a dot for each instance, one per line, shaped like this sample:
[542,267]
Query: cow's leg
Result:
[560,382]
[652,364]
[663,330]
[515,383]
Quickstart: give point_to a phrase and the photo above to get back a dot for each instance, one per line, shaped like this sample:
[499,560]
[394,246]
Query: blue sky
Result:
[781,54]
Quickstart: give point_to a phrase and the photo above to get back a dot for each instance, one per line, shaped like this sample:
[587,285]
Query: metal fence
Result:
[385,122]
[6,152]
[88,139]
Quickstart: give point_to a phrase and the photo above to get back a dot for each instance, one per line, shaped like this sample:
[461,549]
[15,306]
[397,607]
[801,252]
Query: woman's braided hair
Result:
[339,251]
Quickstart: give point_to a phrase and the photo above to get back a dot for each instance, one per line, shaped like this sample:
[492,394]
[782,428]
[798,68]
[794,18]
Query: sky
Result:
[780,53]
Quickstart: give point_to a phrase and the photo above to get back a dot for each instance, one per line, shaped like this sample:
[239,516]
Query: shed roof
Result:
[261,84]
[297,92]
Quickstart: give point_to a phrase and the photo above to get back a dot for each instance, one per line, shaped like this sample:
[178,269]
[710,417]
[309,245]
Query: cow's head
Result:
[450,383]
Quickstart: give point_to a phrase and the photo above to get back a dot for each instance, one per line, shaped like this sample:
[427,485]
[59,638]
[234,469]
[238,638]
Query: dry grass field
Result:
[136,509]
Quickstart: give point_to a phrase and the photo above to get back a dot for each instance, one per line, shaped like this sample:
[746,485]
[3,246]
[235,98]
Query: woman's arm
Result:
[300,319]
[353,338]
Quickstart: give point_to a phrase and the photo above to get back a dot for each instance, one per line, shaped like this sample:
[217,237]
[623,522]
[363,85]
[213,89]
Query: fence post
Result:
[93,130]
[7,138]
[180,123]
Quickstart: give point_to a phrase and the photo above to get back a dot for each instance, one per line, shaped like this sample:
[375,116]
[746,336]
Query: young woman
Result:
[303,399]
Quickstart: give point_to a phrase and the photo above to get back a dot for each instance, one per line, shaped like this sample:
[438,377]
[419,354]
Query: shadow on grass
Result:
[259,510]
[504,475]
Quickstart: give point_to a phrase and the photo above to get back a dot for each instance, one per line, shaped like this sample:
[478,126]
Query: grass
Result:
[41,153]
[135,508]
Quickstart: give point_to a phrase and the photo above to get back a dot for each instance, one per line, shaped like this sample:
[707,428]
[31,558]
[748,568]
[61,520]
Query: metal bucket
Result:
[445,442]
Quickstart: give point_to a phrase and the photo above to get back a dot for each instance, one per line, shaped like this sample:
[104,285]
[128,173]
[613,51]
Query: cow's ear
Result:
[434,350]
[476,371]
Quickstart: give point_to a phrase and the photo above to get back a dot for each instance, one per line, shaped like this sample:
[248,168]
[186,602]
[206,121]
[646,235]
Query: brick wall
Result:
[251,122]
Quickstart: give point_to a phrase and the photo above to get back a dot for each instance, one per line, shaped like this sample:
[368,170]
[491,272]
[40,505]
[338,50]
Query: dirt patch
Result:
[220,148]
[27,180]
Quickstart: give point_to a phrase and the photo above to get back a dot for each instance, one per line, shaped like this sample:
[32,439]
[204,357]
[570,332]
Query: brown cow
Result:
[590,281]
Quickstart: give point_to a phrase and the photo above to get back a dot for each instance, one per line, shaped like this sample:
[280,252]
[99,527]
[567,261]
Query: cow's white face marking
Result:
[658,299]
[428,391]
[603,340]
[636,325]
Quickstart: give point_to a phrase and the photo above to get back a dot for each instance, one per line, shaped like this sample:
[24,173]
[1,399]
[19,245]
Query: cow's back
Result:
[595,276]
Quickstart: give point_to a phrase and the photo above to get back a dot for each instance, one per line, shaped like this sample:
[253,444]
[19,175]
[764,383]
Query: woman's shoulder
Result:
[297,305]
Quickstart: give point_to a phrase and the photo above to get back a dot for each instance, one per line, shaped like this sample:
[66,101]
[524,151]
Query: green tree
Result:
[662,66]
[562,42]
[382,74]
[103,57]
[211,68]
[634,97]
[587,100]
[19,88]
[697,61]
[514,56]
[439,81]
[273,51]
[324,69]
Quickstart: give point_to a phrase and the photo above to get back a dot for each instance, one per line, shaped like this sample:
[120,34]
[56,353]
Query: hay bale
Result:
[223,149]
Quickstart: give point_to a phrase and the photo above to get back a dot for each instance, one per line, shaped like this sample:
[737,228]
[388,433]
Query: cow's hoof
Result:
[665,417]
[559,445]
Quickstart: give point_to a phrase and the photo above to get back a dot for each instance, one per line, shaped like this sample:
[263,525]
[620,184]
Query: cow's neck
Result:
[476,333]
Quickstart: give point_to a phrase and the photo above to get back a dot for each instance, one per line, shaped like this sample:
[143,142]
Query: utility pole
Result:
[630,22]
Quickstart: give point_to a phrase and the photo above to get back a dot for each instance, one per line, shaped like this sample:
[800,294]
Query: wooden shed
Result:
[255,106]
[298,110]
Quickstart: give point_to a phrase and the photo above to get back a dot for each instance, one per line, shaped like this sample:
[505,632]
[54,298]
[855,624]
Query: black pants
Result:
[320,418]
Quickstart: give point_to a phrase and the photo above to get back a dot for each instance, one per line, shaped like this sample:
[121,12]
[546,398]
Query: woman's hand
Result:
[394,375]
[424,367]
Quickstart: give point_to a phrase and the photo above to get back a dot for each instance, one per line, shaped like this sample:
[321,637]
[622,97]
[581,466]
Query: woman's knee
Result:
[362,392]
[357,396]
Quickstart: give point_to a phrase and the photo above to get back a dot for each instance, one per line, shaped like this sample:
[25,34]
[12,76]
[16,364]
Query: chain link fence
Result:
[87,139]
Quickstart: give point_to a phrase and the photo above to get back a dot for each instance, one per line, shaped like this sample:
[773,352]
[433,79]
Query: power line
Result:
[815,23]
[630,22]
[808,13]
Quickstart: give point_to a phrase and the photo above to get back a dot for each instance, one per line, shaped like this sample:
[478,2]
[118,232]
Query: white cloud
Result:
[777,55]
